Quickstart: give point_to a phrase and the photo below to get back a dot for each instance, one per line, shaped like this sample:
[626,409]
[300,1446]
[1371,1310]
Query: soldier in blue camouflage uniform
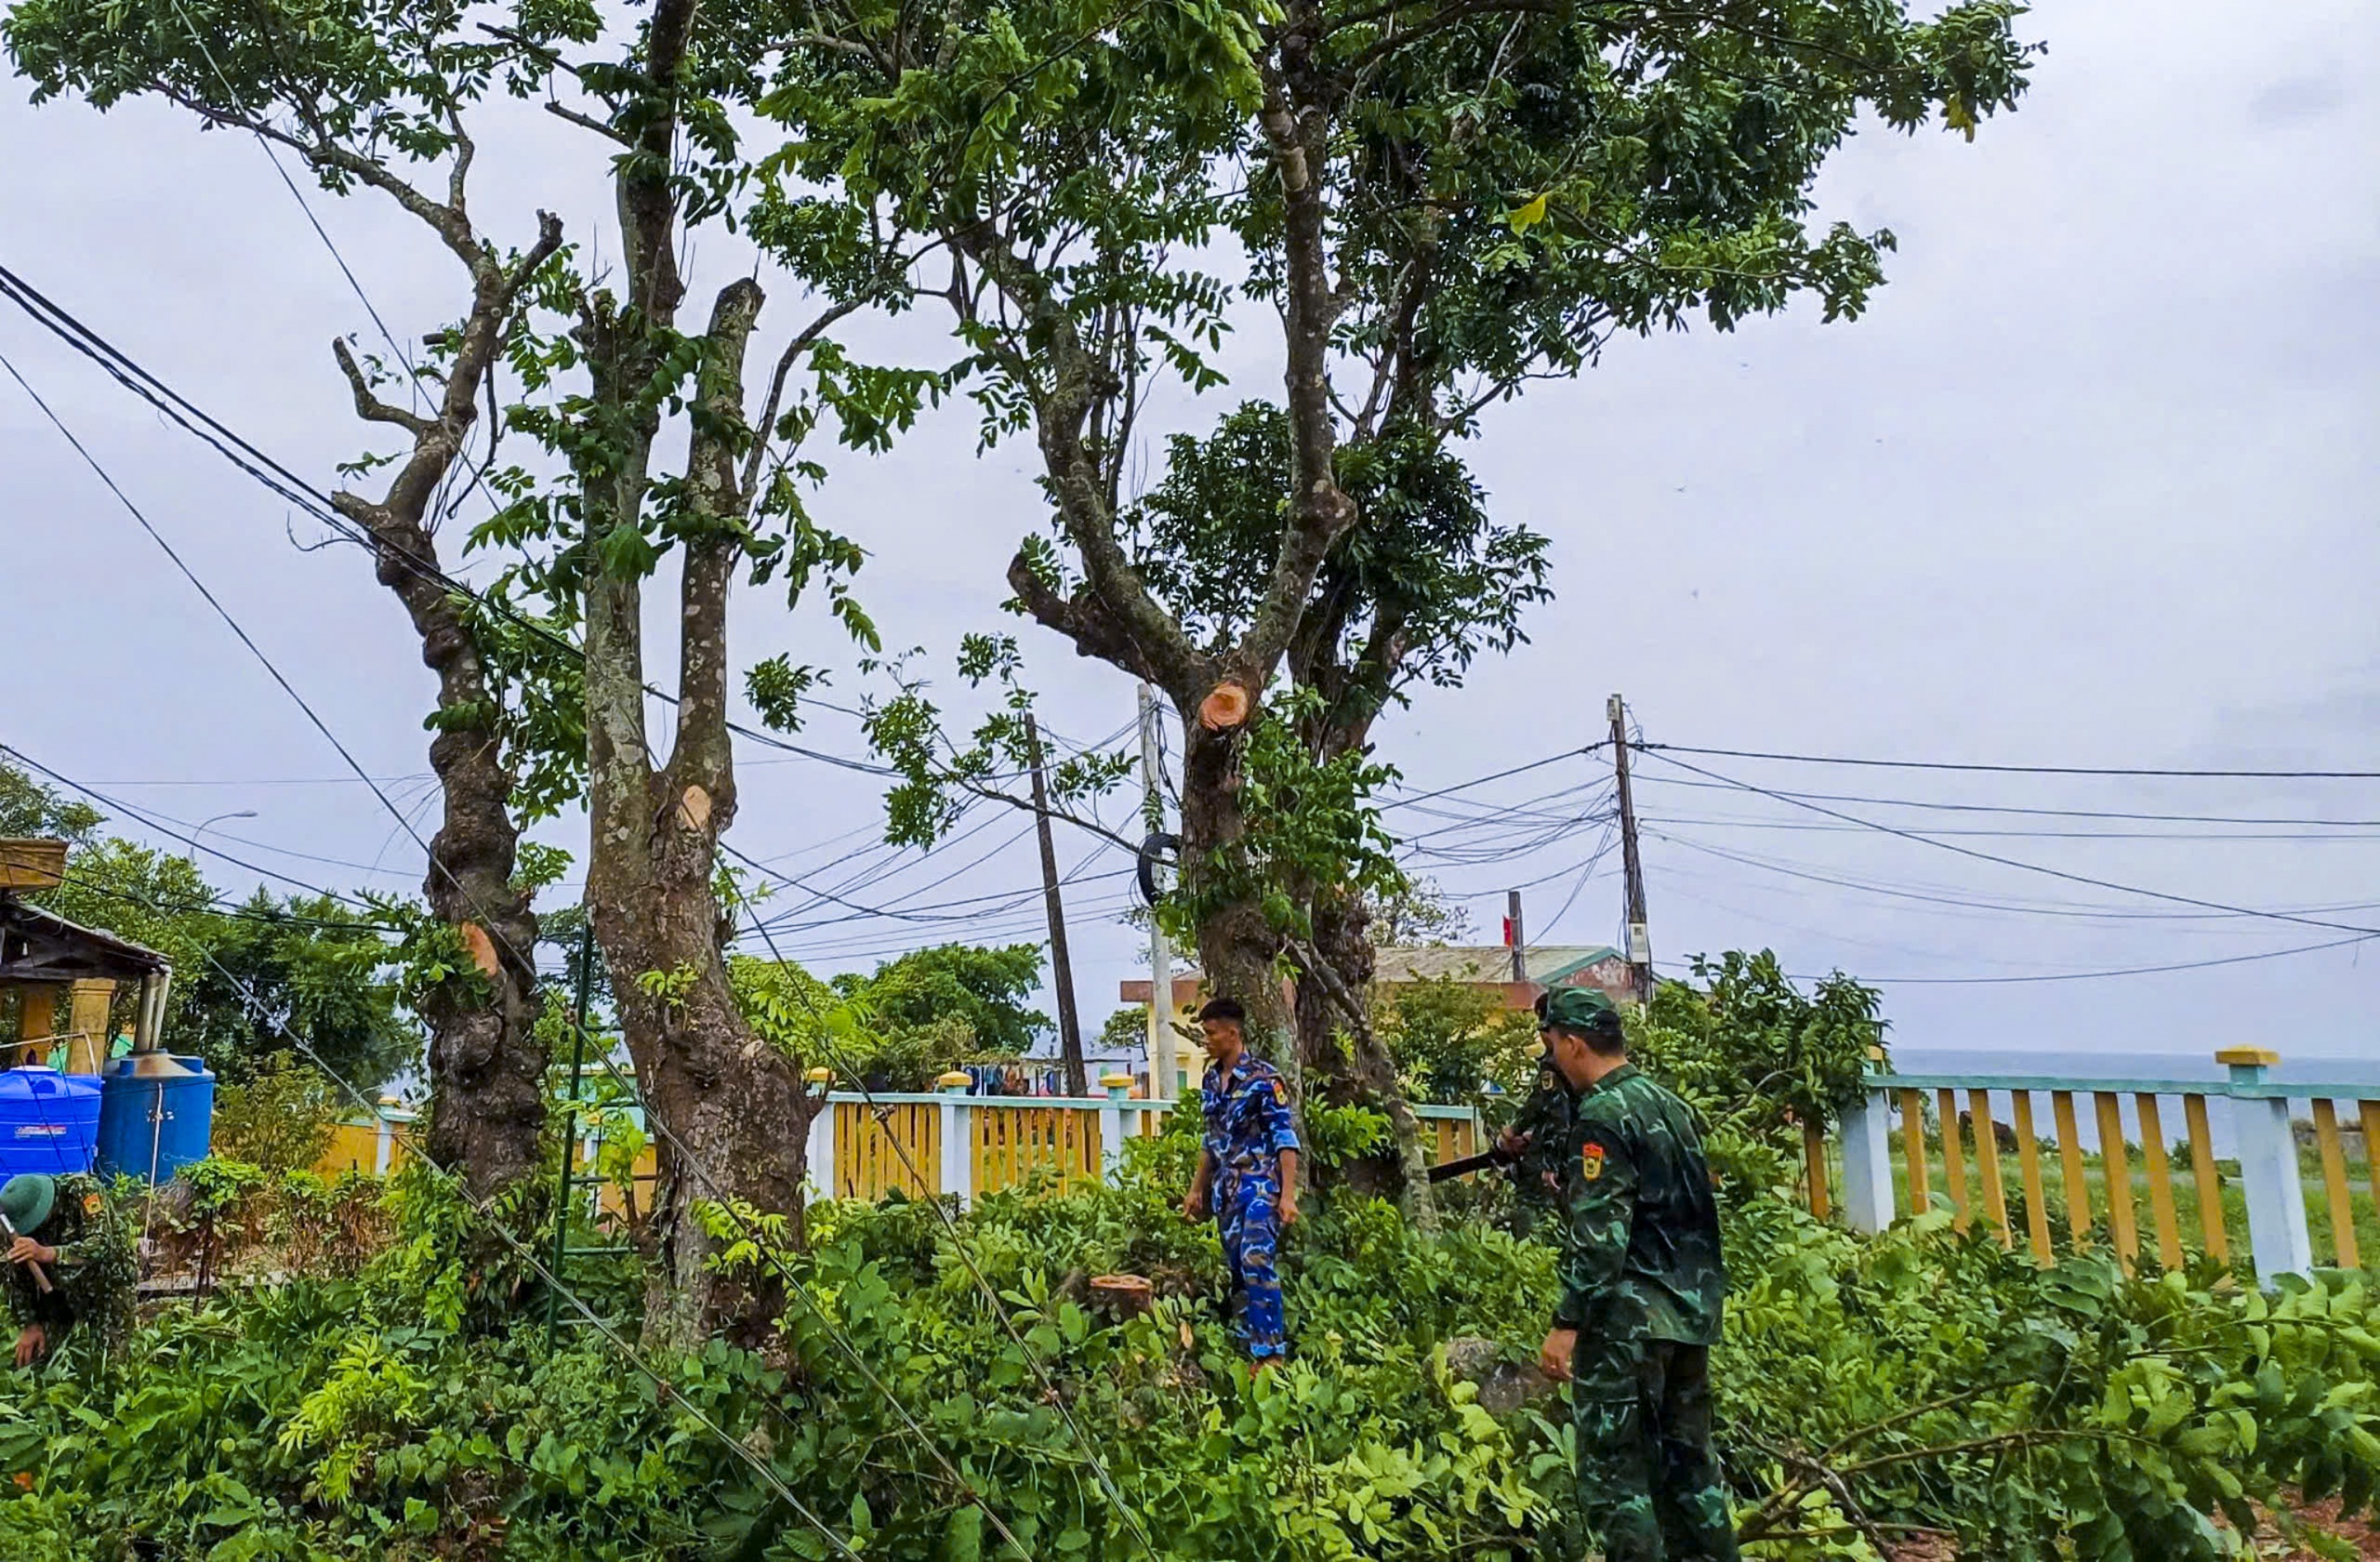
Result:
[1643,1287]
[1248,1174]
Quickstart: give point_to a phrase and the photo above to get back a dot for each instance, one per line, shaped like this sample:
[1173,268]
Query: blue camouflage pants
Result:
[1248,1208]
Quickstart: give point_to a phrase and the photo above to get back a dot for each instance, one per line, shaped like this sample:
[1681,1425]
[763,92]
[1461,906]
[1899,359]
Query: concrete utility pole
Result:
[1062,971]
[1162,1084]
[1640,941]
[1514,935]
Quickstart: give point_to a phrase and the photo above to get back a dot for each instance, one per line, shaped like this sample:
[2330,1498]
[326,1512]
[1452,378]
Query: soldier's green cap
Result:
[1578,1009]
[27,1200]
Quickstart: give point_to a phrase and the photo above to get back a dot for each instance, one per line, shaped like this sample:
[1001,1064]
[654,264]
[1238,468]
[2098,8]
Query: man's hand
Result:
[1288,1207]
[33,1343]
[1511,1141]
[1553,1356]
[24,1250]
[1194,1205]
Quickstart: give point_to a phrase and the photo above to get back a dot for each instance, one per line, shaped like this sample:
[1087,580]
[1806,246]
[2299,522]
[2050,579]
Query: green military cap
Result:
[27,1200]
[1579,1009]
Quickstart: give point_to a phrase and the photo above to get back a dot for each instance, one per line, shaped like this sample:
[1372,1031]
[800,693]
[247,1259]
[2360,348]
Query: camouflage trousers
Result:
[1648,1483]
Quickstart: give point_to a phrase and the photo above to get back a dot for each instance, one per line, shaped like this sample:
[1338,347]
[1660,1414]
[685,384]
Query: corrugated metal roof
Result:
[1485,962]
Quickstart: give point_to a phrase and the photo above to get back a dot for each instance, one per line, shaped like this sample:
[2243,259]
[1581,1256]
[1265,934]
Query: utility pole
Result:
[1162,1084]
[1062,971]
[1640,942]
[1513,937]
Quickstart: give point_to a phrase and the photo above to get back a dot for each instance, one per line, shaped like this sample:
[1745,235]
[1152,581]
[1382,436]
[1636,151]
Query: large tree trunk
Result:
[486,1063]
[1238,948]
[731,1108]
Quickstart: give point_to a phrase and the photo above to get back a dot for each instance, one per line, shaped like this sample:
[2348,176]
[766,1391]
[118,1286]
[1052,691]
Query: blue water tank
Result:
[48,1122]
[155,1114]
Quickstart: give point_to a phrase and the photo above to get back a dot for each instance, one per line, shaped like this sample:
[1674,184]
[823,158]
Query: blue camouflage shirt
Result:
[1249,1124]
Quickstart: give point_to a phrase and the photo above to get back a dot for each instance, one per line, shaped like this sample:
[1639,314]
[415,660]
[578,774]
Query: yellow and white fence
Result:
[2095,1173]
[949,1141]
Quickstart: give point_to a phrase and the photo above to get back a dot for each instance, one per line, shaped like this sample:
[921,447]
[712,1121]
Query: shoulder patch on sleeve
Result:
[1590,1162]
[93,1204]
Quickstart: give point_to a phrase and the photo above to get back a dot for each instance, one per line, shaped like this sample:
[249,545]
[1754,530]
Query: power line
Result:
[1934,806]
[2099,975]
[1968,902]
[1493,776]
[220,610]
[280,480]
[1723,823]
[2026,866]
[2021,769]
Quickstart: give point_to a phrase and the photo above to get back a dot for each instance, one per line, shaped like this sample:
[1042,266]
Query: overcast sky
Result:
[2090,485]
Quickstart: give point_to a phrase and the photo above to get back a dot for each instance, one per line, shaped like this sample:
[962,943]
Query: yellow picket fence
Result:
[1990,1164]
[885,1147]
[1014,1143]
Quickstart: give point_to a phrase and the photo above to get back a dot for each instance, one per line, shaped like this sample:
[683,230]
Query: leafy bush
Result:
[928,1392]
[281,1120]
[1750,1052]
[1452,1039]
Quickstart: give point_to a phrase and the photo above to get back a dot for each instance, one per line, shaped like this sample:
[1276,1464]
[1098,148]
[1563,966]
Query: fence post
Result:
[1868,1163]
[384,1149]
[1111,1127]
[958,1137]
[820,1158]
[2277,1234]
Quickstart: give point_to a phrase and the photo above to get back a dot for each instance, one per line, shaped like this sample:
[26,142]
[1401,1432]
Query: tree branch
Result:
[764,427]
[368,406]
[588,122]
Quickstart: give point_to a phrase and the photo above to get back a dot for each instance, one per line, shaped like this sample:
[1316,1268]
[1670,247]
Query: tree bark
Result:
[729,1102]
[486,1063]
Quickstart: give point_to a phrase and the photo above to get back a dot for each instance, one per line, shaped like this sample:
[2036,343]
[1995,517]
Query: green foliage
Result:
[1310,826]
[280,1119]
[1428,570]
[314,964]
[1750,1052]
[1451,1038]
[1420,912]
[1126,1028]
[939,779]
[1913,1378]
[984,990]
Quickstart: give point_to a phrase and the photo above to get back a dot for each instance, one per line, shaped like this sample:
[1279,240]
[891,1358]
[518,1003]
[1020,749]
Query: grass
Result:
[2365,1207]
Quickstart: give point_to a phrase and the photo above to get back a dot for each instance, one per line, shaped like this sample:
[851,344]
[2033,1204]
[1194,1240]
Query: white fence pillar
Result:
[1111,1127]
[958,1137]
[383,1150]
[819,1162]
[2268,1176]
[1867,1163]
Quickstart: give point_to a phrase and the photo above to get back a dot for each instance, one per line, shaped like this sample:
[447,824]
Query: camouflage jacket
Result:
[1545,1116]
[1248,1117]
[93,1280]
[1640,1249]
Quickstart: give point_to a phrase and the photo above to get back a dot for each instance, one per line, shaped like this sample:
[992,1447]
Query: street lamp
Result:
[243,814]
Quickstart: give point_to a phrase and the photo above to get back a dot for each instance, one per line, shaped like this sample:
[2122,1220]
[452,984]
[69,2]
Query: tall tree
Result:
[1438,202]
[1413,595]
[733,1106]
[373,100]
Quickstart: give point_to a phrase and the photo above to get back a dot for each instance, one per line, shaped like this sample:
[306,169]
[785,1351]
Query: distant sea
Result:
[2113,1065]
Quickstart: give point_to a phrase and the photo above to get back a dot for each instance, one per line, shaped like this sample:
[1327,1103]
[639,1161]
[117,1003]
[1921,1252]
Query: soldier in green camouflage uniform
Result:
[64,1225]
[1536,1145]
[1642,1291]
